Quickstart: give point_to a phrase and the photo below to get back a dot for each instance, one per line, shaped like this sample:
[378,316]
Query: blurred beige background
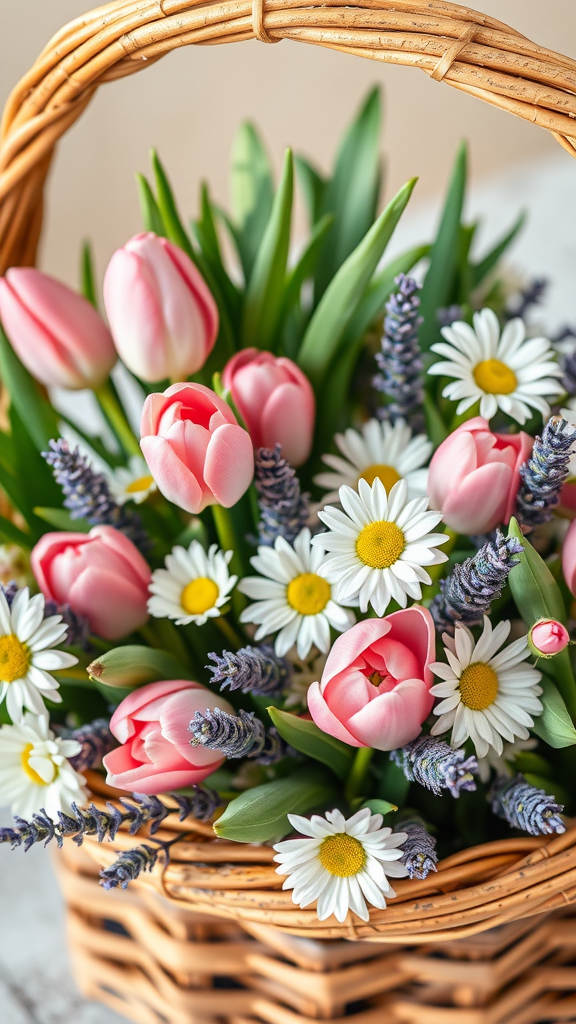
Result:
[189,105]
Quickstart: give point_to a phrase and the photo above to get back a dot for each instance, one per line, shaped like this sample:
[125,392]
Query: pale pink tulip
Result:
[100,574]
[548,637]
[474,476]
[56,333]
[569,558]
[275,400]
[152,726]
[196,450]
[375,688]
[163,317]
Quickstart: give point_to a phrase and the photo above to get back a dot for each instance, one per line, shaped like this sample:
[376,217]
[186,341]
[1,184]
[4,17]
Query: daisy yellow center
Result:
[141,484]
[342,855]
[478,686]
[494,377]
[14,658]
[386,474]
[32,775]
[308,594]
[380,544]
[199,596]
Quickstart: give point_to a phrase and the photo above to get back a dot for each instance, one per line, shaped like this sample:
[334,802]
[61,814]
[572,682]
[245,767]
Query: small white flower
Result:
[504,372]
[26,655]
[343,864]
[194,585]
[132,483]
[485,695]
[292,598]
[35,773]
[500,763]
[377,546]
[381,450]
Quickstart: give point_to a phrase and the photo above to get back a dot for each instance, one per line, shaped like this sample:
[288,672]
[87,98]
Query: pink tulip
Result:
[100,574]
[55,332]
[548,637]
[196,450]
[163,317]
[152,726]
[569,558]
[474,476]
[375,688]
[275,400]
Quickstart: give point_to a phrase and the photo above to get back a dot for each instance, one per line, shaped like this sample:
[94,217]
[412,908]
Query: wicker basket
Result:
[152,952]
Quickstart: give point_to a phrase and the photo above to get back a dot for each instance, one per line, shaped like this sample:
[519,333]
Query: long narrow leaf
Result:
[252,191]
[489,261]
[343,296]
[87,276]
[312,186]
[11,534]
[168,209]
[304,268]
[34,410]
[151,216]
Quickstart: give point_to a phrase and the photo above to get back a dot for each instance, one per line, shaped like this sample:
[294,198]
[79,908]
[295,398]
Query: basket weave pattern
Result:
[467,50]
[157,962]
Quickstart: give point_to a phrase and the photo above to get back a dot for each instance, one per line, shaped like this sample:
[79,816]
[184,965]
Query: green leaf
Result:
[352,193]
[304,268]
[554,725]
[10,534]
[263,302]
[87,276]
[33,408]
[436,429]
[252,192]
[441,275]
[342,298]
[151,216]
[132,666]
[482,269]
[379,290]
[312,185]
[168,210]
[259,815]
[377,806]
[306,737]
[61,519]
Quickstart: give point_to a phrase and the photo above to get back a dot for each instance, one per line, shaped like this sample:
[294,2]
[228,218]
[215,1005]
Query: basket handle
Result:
[469,51]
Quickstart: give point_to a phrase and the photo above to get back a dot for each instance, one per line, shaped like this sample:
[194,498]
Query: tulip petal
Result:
[326,720]
[229,466]
[288,419]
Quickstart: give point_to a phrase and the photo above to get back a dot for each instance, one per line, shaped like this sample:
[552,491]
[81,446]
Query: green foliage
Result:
[252,191]
[132,666]
[306,737]
[554,725]
[27,397]
[259,815]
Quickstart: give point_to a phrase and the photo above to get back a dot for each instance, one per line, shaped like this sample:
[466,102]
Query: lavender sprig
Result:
[526,807]
[545,473]
[447,315]
[236,736]
[468,592]
[400,362]
[419,850]
[9,590]
[128,867]
[529,296]
[283,508]
[136,812]
[87,493]
[96,741]
[256,670]
[434,764]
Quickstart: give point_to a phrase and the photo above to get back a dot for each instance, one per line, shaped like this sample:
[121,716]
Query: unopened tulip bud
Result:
[61,339]
[162,315]
[547,638]
[131,666]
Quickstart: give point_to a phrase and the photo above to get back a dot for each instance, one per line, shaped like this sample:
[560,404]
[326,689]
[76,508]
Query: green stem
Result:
[116,418]
[358,773]
[229,632]
[227,537]
[436,571]
[163,635]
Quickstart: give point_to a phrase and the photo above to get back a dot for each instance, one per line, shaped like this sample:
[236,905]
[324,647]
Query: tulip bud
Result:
[131,666]
[58,336]
[547,638]
[162,315]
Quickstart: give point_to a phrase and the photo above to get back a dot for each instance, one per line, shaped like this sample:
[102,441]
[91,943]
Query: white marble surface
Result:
[35,982]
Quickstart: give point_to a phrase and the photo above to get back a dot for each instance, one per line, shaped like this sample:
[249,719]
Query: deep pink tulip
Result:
[375,688]
[548,638]
[55,332]
[152,726]
[100,574]
[163,317]
[196,450]
[275,400]
[474,476]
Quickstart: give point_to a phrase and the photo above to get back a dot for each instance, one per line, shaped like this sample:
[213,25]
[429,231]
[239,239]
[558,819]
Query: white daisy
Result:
[381,450]
[133,482]
[485,695]
[194,585]
[292,598]
[377,546]
[26,654]
[35,773]
[341,863]
[504,372]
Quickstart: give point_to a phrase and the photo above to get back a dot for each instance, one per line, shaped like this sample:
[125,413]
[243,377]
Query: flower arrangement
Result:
[324,585]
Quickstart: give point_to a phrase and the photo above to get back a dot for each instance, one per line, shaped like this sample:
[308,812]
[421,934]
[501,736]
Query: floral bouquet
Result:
[313,574]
